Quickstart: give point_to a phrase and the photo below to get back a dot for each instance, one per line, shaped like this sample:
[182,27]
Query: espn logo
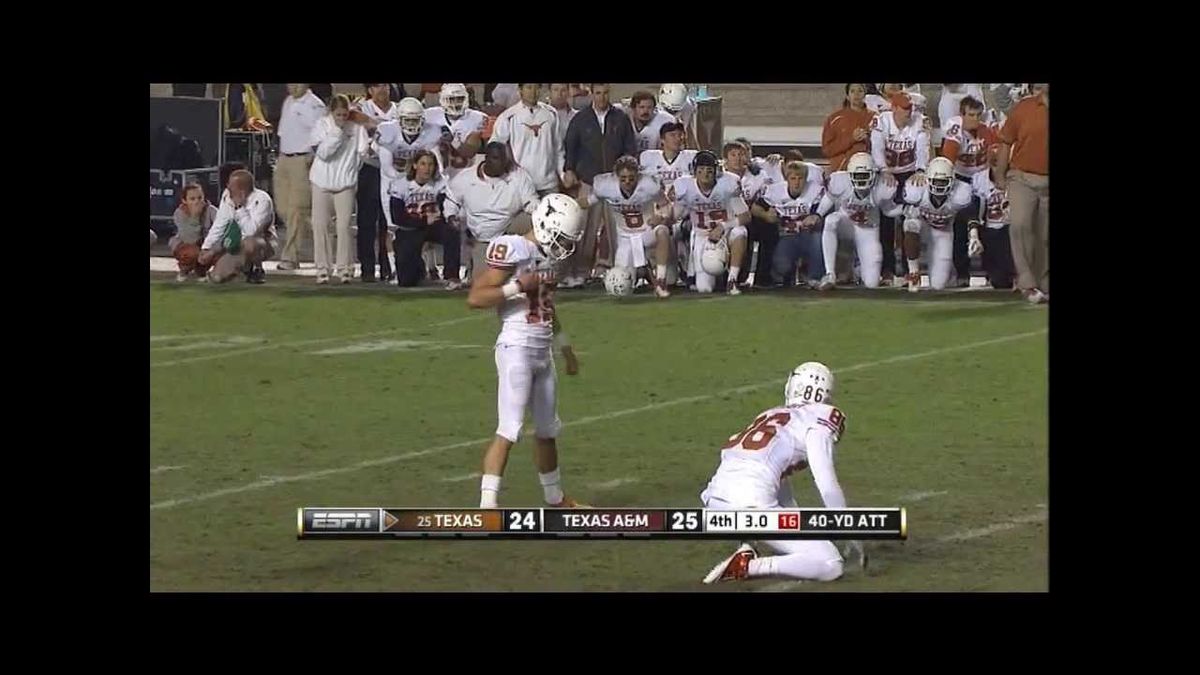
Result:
[326,520]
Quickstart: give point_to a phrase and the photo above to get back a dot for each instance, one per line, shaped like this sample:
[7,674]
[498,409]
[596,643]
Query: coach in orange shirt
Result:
[1027,133]
[848,129]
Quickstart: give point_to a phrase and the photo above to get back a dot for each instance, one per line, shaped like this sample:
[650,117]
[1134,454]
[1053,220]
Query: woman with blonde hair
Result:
[341,148]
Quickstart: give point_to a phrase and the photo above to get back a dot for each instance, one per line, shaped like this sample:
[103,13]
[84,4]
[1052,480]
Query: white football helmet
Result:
[861,170]
[411,113]
[940,175]
[453,99]
[558,225]
[714,258]
[618,281]
[672,97]
[810,382]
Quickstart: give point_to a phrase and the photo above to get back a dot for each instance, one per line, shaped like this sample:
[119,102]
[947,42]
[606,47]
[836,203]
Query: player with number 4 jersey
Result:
[756,463]
[520,284]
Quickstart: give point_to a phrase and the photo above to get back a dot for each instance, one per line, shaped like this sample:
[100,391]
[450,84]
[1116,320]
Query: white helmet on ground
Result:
[453,98]
[672,97]
[411,114]
[714,258]
[861,170]
[940,175]
[558,225]
[618,281]
[810,382]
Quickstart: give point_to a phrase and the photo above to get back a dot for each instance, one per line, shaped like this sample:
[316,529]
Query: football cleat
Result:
[660,288]
[914,281]
[736,566]
[568,503]
[828,282]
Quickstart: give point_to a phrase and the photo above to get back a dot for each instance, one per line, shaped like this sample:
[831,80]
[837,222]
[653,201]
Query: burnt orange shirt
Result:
[1028,131]
[837,138]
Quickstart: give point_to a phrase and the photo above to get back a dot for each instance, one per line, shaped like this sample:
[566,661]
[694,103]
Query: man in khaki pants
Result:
[292,189]
[1027,134]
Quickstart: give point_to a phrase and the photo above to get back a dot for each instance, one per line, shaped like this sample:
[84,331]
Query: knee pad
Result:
[547,428]
[509,430]
[738,232]
[912,225]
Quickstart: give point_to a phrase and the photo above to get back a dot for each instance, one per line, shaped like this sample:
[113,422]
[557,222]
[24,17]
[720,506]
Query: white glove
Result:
[974,245]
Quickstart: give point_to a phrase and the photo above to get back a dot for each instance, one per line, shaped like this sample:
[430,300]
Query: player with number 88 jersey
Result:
[755,465]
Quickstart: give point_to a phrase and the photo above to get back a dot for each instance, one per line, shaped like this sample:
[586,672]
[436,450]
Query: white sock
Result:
[660,272]
[914,266]
[733,273]
[795,566]
[551,487]
[489,490]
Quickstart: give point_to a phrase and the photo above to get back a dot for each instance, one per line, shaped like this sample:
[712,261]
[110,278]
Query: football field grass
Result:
[268,398]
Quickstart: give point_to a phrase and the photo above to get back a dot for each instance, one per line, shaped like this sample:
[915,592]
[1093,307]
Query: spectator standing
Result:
[967,142]
[1026,176]
[596,137]
[531,130]
[494,197]
[377,108]
[301,111]
[848,129]
[341,147]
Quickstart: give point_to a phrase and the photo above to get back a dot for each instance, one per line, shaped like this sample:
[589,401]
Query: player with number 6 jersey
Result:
[520,284]
[636,203]
[756,463]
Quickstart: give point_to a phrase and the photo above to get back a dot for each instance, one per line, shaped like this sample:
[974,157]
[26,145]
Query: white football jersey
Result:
[647,137]
[470,122]
[723,203]
[902,149]
[754,185]
[390,136]
[938,216]
[654,163]
[630,213]
[791,209]
[995,200]
[780,441]
[972,149]
[526,319]
[863,211]
[419,199]
[368,108]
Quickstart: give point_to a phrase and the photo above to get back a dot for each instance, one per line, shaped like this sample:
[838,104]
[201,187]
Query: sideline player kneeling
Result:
[520,284]
[755,464]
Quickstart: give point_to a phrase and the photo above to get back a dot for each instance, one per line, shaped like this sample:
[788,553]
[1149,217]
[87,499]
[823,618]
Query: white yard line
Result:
[988,530]
[964,535]
[166,338]
[774,382]
[921,496]
[613,484]
[462,478]
[160,469]
[336,338]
